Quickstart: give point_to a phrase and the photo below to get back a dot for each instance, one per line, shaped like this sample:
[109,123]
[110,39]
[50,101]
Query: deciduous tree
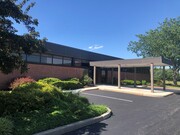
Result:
[13,45]
[162,41]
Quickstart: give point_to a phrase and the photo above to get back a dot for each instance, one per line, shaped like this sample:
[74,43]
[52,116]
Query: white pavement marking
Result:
[125,100]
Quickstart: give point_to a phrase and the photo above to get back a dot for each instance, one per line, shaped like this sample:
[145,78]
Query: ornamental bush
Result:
[138,83]
[130,82]
[28,97]
[49,80]
[19,81]
[144,82]
[86,80]
[68,85]
[6,126]
[72,79]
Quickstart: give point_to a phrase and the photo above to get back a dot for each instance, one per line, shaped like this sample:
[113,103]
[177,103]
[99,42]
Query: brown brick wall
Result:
[37,71]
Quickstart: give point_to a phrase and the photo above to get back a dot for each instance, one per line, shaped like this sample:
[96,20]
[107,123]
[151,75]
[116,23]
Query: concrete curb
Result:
[139,93]
[82,89]
[71,127]
[146,93]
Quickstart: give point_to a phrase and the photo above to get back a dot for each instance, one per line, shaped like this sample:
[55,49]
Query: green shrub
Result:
[68,85]
[97,109]
[138,83]
[130,82]
[84,100]
[19,81]
[127,82]
[86,80]
[74,110]
[49,80]
[28,97]
[38,106]
[170,83]
[158,82]
[72,79]
[144,82]
[6,126]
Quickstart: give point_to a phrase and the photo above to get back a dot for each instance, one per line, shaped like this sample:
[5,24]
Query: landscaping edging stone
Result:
[71,127]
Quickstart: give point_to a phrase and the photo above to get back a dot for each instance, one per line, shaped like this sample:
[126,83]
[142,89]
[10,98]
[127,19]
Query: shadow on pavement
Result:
[178,93]
[94,129]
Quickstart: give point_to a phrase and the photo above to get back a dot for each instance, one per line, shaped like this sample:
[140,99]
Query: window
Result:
[46,59]
[103,72]
[67,61]
[33,58]
[57,60]
[77,62]
[85,63]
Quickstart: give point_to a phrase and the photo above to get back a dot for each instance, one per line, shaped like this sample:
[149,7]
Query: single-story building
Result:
[66,62]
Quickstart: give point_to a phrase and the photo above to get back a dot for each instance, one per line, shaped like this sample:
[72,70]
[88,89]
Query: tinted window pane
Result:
[46,59]
[85,63]
[77,62]
[67,61]
[33,58]
[57,60]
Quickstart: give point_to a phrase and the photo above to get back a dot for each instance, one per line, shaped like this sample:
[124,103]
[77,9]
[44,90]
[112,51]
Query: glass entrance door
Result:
[103,76]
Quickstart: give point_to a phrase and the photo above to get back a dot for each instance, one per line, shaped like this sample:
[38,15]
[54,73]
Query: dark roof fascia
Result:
[62,50]
[140,62]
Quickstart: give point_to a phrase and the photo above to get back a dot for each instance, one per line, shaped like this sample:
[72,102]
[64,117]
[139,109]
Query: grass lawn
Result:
[170,85]
[38,106]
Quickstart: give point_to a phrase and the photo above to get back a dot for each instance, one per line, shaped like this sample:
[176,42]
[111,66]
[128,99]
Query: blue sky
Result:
[102,26]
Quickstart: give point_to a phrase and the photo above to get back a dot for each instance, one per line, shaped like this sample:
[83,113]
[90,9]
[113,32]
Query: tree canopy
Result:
[12,45]
[162,41]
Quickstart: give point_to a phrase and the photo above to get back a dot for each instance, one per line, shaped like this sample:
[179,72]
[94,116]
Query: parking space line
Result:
[120,99]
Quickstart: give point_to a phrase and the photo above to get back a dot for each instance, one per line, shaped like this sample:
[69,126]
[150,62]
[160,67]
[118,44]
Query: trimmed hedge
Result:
[144,82]
[68,85]
[131,82]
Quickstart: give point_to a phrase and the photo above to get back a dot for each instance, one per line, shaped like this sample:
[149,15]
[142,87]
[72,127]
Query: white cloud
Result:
[95,47]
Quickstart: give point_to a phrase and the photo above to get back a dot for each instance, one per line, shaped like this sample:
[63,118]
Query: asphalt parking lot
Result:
[134,115]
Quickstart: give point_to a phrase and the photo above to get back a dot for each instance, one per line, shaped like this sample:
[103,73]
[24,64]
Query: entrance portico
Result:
[144,62]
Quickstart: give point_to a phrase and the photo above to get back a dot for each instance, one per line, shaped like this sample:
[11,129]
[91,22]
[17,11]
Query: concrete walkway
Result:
[134,91]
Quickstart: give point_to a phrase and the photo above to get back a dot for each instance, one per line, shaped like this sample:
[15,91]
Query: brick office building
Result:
[66,62]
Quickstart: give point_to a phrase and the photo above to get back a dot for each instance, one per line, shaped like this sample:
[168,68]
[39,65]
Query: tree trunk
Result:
[175,76]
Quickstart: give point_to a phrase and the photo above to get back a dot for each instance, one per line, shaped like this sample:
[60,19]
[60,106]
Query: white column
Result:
[112,77]
[164,80]
[94,77]
[152,77]
[119,76]
[134,77]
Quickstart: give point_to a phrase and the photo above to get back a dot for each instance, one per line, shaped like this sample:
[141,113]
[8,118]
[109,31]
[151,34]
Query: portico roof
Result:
[142,62]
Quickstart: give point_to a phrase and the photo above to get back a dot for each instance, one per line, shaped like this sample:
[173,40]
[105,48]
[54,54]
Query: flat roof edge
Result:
[143,62]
